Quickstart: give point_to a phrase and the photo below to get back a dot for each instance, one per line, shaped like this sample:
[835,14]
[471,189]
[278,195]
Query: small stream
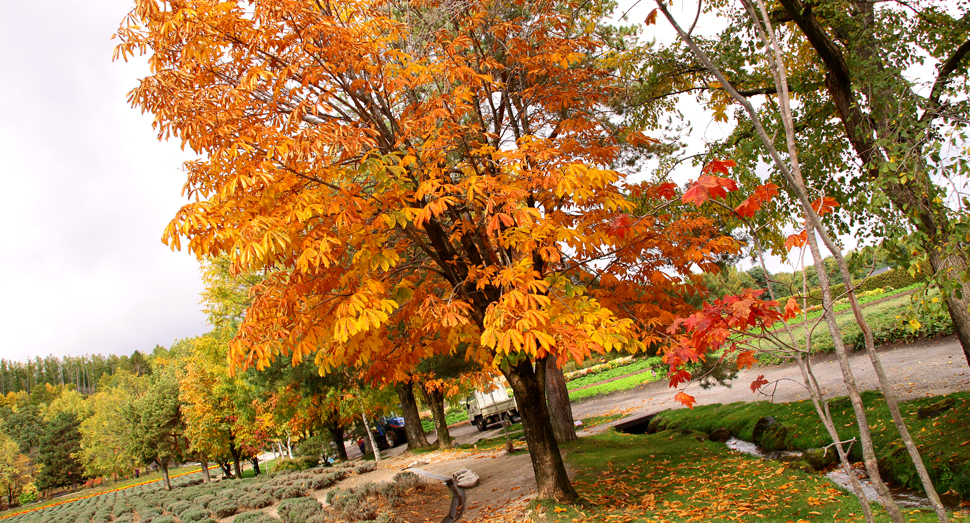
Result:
[905,498]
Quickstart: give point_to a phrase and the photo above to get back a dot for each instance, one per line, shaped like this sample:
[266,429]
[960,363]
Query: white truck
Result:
[487,407]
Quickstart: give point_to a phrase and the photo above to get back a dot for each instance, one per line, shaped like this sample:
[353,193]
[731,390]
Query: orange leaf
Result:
[667,191]
[686,399]
[707,187]
[718,166]
[824,205]
[796,240]
[762,194]
[746,360]
[620,226]
[791,309]
[651,18]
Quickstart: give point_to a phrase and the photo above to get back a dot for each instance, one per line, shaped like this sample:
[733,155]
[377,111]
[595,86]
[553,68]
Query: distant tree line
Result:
[80,373]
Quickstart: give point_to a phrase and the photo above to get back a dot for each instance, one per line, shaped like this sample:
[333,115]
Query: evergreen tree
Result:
[59,453]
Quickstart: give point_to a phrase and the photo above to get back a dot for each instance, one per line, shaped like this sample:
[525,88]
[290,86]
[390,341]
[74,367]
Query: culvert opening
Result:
[635,425]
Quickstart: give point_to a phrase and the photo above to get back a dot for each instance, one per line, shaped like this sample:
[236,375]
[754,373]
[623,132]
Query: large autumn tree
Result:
[452,164]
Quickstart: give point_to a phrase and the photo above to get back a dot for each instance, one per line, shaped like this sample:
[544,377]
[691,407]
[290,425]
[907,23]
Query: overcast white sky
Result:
[87,191]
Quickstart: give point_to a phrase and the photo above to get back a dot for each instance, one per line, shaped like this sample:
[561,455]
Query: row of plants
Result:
[890,280]
[938,425]
[191,500]
[370,502]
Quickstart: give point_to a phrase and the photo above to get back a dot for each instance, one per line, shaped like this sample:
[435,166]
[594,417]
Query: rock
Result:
[931,410]
[820,458]
[761,426]
[721,435]
[801,465]
[417,463]
[657,424]
[465,478]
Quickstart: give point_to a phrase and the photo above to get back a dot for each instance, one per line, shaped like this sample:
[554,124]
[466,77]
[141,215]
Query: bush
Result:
[195,514]
[256,500]
[289,492]
[295,464]
[224,508]
[298,510]
[232,493]
[364,468]
[253,517]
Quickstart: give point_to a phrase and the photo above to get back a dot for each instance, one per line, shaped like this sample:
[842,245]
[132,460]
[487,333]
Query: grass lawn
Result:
[627,383]
[943,439]
[669,476]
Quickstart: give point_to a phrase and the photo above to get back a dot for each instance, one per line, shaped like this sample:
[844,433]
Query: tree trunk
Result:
[337,434]
[255,461]
[234,452]
[163,466]
[436,401]
[289,447]
[226,470]
[528,385]
[412,420]
[369,442]
[205,471]
[557,397]
[957,307]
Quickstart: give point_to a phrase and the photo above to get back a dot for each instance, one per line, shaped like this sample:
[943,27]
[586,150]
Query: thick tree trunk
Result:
[557,397]
[528,385]
[957,307]
[163,466]
[205,471]
[255,461]
[412,420]
[436,402]
[337,435]
[226,470]
[234,452]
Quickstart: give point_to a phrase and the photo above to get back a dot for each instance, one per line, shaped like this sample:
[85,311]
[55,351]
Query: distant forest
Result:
[80,372]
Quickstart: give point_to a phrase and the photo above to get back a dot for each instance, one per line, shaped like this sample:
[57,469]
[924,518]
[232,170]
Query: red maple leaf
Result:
[707,187]
[686,399]
[718,166]
[620,226]
[762,194]
[667,191]
[758,383]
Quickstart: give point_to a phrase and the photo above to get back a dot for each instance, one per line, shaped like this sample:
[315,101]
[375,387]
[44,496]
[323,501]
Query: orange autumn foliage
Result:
[448,171]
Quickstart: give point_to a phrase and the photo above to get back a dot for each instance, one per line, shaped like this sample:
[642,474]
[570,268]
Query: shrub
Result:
[256,500]
[204,500]
[408,480]
[298,510]
[195,514]
[223,508]
[364,468]
[289,492]
[296,464]
[232,493]
[164,519]
[253,517]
